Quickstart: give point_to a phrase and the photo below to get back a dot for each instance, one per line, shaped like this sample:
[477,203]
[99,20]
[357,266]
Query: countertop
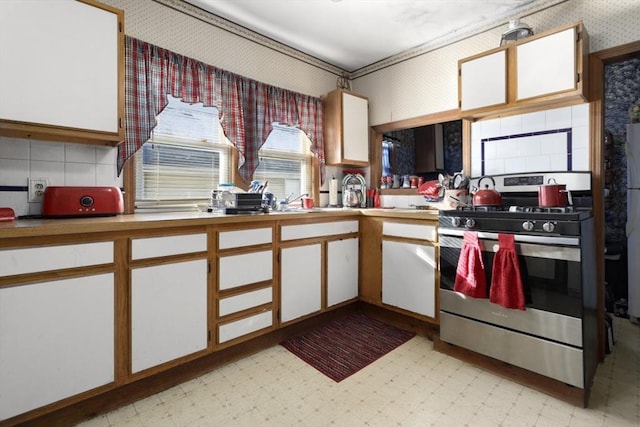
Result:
[55,227]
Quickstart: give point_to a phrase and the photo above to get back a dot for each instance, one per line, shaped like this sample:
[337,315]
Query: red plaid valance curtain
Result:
[247,107]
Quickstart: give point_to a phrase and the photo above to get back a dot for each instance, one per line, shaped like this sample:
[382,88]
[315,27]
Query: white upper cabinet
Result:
[484,81]
[346,128]
[62,71]
[547,65]
[538,71]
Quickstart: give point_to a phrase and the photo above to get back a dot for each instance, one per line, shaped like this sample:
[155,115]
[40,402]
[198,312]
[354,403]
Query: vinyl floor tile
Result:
[412,385]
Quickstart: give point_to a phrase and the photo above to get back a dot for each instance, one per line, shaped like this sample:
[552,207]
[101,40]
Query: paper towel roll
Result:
[333,192]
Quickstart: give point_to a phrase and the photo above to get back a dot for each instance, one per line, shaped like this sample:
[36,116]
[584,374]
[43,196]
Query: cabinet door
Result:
[168,312]
[300,281]
[355,128]
[483,81]
[56,340]
[408,276]
[547,65]
[342,270]
[71,53]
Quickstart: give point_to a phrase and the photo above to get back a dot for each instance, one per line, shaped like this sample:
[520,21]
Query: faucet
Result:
[287,200]
[290,200]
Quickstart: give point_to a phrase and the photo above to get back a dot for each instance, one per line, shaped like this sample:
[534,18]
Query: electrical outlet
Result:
[36,188]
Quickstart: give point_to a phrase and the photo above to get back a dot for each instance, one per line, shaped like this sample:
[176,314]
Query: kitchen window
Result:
[285,161]
[188,155]
[185,158]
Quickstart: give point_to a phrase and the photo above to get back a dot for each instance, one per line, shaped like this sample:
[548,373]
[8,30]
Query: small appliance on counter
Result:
[63,201]
[7,214]
[249,203]
[354,191]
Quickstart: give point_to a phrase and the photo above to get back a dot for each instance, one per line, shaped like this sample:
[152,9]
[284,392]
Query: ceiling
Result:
[352,34]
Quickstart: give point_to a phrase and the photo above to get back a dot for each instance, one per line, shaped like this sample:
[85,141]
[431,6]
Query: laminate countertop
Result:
[37,227]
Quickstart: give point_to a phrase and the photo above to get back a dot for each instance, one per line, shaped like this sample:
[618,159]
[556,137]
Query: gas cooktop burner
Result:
[534,209]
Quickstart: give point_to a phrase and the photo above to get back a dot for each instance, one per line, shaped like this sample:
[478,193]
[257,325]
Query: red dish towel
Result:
[506,281]
[470,275]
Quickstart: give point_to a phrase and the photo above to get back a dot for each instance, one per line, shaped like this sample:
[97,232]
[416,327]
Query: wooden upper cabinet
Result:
[547,69]
[62,71]
[346,128]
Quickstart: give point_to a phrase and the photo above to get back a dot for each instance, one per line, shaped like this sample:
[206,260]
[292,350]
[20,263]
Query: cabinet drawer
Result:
[305,231]
[240,238]
[244,269]
[33,260]
[151,247]
[244,301]
[245,326]
[410,231]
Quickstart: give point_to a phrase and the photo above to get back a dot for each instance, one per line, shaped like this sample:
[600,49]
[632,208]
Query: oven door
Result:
[550,268]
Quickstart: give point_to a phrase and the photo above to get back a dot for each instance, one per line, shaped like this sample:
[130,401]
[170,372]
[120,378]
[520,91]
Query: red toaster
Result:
[65,201]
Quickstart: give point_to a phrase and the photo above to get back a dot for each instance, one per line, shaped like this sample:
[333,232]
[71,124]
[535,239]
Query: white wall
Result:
[156,23]
[423,85]
[428,83]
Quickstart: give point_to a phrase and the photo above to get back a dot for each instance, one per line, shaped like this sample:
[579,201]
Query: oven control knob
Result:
[455,221]
[548,226]
[527,226]
[470,223]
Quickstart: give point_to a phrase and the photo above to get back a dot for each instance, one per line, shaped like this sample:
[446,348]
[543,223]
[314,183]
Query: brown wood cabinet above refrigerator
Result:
[346,128]
[62,71]
[546,69]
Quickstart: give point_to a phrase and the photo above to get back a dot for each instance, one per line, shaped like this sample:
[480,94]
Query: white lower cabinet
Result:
[342,270]
[56,340]
[300,281]
[168,312]
[408,276]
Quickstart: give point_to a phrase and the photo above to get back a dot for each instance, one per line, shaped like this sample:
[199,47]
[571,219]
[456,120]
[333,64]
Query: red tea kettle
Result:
[487,196]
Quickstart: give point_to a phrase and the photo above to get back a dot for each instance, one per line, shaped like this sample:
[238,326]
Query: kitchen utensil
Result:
[455,198]
[269,200]
[447,182]
[352,198]
[457,180]
[553,194]
[487,196]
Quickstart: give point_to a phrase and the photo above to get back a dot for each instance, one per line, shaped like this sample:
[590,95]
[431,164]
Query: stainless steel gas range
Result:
[556,334]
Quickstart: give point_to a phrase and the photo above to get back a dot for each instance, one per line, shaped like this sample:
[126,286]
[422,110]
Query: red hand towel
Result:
[470,275]
[506,281]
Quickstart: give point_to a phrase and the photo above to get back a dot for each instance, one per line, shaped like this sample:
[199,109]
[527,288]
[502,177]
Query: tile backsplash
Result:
[60,163]
[551,140]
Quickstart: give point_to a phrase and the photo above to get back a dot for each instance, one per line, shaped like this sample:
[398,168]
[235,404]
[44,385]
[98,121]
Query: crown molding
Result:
[451,38]
[245,33]
[447,39]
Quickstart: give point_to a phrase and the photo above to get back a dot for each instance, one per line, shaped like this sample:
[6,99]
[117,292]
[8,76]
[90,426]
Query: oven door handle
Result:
[519,238]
